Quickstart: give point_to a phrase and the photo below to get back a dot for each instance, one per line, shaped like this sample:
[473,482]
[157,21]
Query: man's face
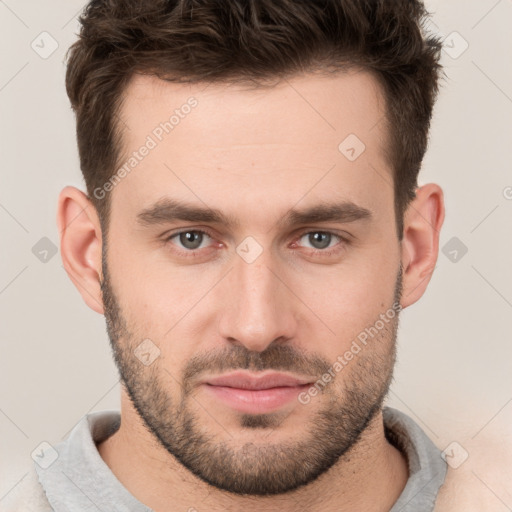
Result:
[268,291]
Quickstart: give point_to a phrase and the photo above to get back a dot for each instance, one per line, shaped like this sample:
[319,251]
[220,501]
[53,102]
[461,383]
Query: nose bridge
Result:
[259,309]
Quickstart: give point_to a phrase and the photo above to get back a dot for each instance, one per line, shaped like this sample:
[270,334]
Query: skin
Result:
[253,154]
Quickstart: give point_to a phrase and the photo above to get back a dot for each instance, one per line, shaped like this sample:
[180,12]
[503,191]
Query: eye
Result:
[321,240]
[190,240]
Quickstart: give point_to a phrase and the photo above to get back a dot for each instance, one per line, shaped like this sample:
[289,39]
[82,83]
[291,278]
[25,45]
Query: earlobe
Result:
[80,244]
[420,244]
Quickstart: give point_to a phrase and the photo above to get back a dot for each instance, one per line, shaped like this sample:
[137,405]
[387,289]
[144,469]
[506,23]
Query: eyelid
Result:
[173,232]
[343,235]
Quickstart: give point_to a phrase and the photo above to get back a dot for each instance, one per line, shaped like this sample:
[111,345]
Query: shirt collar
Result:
[80,474]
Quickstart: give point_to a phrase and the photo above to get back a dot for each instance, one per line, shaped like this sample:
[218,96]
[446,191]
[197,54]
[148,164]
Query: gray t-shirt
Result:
[72,476]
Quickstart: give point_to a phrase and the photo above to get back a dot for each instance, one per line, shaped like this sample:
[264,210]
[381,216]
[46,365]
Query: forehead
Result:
[308,136]
[329,105]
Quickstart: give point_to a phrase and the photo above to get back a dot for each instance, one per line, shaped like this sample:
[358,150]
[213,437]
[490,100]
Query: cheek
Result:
[349,298]
[152,294]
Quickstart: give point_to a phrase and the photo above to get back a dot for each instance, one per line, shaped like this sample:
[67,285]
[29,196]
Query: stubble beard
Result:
[342,411]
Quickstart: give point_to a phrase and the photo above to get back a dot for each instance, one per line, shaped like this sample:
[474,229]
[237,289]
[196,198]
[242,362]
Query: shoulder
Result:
[27,496]
[462,493]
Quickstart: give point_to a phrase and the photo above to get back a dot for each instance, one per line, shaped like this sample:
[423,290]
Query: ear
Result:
[420,244]
[80,244]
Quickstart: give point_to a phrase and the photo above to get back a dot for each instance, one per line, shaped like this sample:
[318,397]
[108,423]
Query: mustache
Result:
[276,356]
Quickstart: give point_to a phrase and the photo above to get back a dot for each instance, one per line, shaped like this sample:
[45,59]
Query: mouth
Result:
[255,393]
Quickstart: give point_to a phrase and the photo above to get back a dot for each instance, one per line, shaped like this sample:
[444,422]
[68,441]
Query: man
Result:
[252,229]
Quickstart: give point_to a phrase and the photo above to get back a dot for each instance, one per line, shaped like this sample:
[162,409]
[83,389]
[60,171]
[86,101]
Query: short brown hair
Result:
[251,40]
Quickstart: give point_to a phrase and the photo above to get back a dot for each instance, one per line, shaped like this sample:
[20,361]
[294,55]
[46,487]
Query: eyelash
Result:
[324,252]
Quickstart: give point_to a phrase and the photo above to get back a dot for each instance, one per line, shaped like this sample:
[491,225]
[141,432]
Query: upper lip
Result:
[244,380]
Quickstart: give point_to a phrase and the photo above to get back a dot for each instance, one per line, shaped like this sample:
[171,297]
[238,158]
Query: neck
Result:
[369,477]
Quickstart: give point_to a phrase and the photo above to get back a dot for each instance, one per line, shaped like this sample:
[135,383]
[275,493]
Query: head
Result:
[272,221]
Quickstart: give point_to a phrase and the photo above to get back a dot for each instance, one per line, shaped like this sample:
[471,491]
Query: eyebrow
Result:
[170,210]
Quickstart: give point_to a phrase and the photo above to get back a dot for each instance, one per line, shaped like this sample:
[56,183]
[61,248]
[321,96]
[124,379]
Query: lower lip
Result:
[255,401]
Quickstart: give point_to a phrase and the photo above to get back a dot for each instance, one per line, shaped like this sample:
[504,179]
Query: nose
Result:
[258,307]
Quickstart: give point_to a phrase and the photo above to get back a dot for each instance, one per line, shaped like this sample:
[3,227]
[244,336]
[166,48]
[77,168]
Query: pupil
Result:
[321,240]
[190,238]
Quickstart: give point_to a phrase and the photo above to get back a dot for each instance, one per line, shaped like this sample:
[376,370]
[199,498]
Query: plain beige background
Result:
[454,374]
